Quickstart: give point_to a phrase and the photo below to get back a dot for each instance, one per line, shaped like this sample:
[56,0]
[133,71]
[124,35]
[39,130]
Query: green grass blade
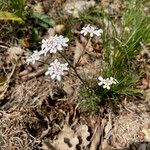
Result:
[4,15]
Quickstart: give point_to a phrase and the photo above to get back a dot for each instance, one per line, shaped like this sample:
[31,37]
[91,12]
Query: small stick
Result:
[38,72]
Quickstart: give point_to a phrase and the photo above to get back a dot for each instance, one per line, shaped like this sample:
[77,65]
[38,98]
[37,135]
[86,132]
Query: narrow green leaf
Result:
[4,15]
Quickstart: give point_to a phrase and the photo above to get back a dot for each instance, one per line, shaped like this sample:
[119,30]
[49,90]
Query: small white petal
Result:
[53,76]
[66,39]
[47,73]
[100,83]
[100,78]
[58,77]
[106,87]
[91,34]
[59,47]
[85,33]
[55,61]
[65,45]
[81,31]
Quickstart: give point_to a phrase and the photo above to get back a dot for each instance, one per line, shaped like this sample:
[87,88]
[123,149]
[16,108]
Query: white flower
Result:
[85,30]
[54,44]
[106,83]
[98,32]
[35,56]
[63,41]
[114,81]
[56,70]
[91,30]
[101,81]
[44,47]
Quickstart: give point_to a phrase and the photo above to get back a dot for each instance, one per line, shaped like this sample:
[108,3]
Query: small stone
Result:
[59,28]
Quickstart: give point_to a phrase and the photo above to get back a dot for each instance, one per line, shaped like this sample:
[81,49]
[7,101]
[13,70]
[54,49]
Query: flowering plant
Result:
[106,83]
[54,44]
[56,69]
[91,30]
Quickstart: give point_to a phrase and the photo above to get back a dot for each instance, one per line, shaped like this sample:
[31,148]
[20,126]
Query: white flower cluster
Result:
[56,70]
[106,83]
[35,56]
[91,30]
[54,44]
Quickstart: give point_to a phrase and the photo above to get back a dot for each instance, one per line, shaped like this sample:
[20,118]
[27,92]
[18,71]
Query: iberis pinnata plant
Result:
[56,70]
[106,83]
[56,43]
[91,30]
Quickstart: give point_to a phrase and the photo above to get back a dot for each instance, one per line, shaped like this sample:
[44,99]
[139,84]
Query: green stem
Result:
[74,69]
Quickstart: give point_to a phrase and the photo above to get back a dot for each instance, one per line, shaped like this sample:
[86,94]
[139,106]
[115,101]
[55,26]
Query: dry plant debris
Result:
[14,53]
[67,139]
[33,109]
[78,52]
[128,129]
[83,133]
[76,7]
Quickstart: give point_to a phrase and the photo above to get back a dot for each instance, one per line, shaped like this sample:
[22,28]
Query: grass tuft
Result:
[121,43]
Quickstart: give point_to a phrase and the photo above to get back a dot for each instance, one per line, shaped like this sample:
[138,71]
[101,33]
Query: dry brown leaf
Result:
[88,70]
[83,132]
[68,88]
[78,52]
[97,135]
[89,47]
[67,139]
[83,40]
[146,131]
[1,62]
[105,146]
[14,53]
[84,60]
[96,139]
[108,127]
